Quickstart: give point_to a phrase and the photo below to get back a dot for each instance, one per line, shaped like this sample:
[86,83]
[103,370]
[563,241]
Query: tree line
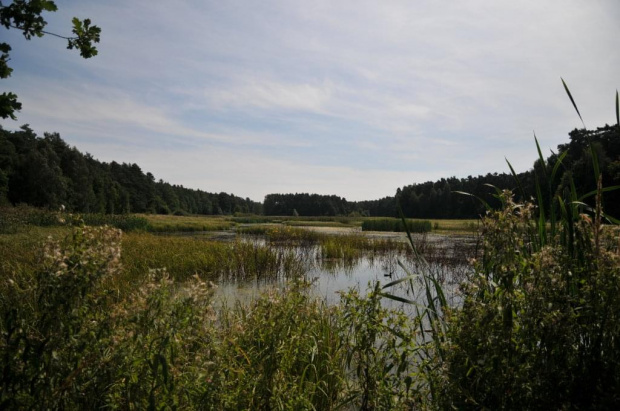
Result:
[47,172]
[439,200]
[443,198]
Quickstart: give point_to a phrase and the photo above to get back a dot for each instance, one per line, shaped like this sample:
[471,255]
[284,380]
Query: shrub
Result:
[539,326]
[55,324]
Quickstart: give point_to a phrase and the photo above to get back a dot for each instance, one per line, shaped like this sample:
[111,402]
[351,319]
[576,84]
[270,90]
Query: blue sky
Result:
[353,98]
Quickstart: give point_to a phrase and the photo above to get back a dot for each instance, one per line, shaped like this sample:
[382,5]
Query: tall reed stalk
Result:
[537,326]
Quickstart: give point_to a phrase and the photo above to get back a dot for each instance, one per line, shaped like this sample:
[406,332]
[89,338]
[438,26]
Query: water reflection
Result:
[447,263]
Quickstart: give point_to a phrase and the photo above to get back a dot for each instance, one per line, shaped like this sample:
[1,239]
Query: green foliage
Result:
[284,352]
[125,222]
[538,327]
[26,15]
[48,173]
[162,344]
[304,204]
[8,102]
[71,340]
[14,219]
[379,345]
[55,323]
[85,36]
[185,256]
[536,324]
[397,225]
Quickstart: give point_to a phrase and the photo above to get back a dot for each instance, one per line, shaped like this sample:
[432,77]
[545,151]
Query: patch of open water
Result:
[447,258]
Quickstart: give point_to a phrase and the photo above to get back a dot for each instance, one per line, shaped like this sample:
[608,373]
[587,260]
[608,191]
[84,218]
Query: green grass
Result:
[450,226]
[217,261]
[337,221]
[172,223]
[126,222]
[22,251]
[396,225]
[301,223]
[78,334]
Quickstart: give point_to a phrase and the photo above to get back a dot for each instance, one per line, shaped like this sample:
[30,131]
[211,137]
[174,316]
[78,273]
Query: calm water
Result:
[447,256]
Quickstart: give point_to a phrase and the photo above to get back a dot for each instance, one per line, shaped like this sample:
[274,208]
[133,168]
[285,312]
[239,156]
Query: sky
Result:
[353,98]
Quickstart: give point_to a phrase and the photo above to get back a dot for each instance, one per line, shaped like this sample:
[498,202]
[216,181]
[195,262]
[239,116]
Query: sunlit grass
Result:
[170,223]
[22,250]
[184,257]
[455,226]
[302,223]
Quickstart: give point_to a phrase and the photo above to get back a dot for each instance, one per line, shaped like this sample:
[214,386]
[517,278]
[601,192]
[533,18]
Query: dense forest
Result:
[438,199]
[46,172]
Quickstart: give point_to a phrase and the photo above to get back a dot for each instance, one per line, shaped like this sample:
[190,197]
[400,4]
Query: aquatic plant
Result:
[397,225]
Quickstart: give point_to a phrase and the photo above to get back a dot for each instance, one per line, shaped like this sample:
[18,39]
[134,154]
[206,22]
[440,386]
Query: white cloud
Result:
[314,92]
[93,109]
[267,94]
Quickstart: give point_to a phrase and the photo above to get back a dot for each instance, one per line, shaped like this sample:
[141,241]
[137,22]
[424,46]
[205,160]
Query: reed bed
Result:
[256,229]
[397,225]
[283,235]
[346,246]
[172,223]
[296,223]
[126,222]
[15,219]
[449,226]
[350,221]
[354,246]
[217,261]
[251,219]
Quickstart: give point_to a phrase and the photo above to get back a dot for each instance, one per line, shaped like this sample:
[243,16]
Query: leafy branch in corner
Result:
[26,15]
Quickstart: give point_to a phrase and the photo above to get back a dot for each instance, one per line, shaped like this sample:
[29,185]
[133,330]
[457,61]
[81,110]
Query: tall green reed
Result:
[536,326]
